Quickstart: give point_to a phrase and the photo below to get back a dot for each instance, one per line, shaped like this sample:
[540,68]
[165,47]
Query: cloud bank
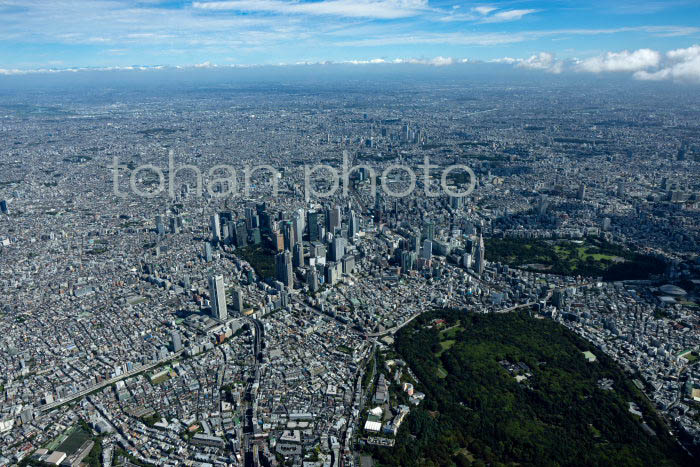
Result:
[681,65]
[621,61]
[678,65]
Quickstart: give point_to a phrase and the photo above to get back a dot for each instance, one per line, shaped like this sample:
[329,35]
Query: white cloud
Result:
[621,61]
[380,9]
[484,10]
[680,65]
[542,61]
[684,55]
[508,60]
[441,61]
[437,61]
[507,15]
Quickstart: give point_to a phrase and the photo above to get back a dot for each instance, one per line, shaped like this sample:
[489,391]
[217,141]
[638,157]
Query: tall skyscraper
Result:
[479,264]
[582,191]
[298,226]
[176,341]
[4,207]
[207,252]
[214,225]
[312,279]
[298,255]
[333,219]
[241,234]
[238,300]
[217,294]
[289,235]
[427,249]
[429,230]
[407,261]
[353,225]
[278,240]
[283,268]
[336,218]
[313,222]
[337,249]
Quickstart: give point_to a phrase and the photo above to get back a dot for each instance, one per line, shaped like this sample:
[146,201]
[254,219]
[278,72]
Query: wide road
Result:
[107,382]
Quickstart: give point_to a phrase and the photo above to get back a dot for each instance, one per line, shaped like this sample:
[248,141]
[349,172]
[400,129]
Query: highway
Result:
[247,443]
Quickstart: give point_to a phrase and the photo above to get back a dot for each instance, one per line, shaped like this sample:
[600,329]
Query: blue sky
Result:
[648,39]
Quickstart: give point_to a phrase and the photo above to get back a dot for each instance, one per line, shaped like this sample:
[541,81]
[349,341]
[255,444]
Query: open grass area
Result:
[690,356]
[75,439]
[445,345]
[161,379]
[592,257]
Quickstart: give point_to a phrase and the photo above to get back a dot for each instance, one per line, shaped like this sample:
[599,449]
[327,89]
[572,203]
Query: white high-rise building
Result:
[338,248]
[217,293]
[214,225]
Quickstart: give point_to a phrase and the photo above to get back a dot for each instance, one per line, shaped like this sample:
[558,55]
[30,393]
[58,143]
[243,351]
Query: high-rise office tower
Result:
[230,233]
[283,268]
[207,252]
[414,243]
[173,225]
[217,294]
[238,300]
[427,249]
[353,225]
[289,235]
[4,207]
[429,230]
[378,208]
[176,341]
[298,255]
[479,256]
[313,220]
[337,249]
[215,227]
[582,191]
[298,226]
[336,219]
[407,260]
[278,241]
[241,234]
[312,279]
